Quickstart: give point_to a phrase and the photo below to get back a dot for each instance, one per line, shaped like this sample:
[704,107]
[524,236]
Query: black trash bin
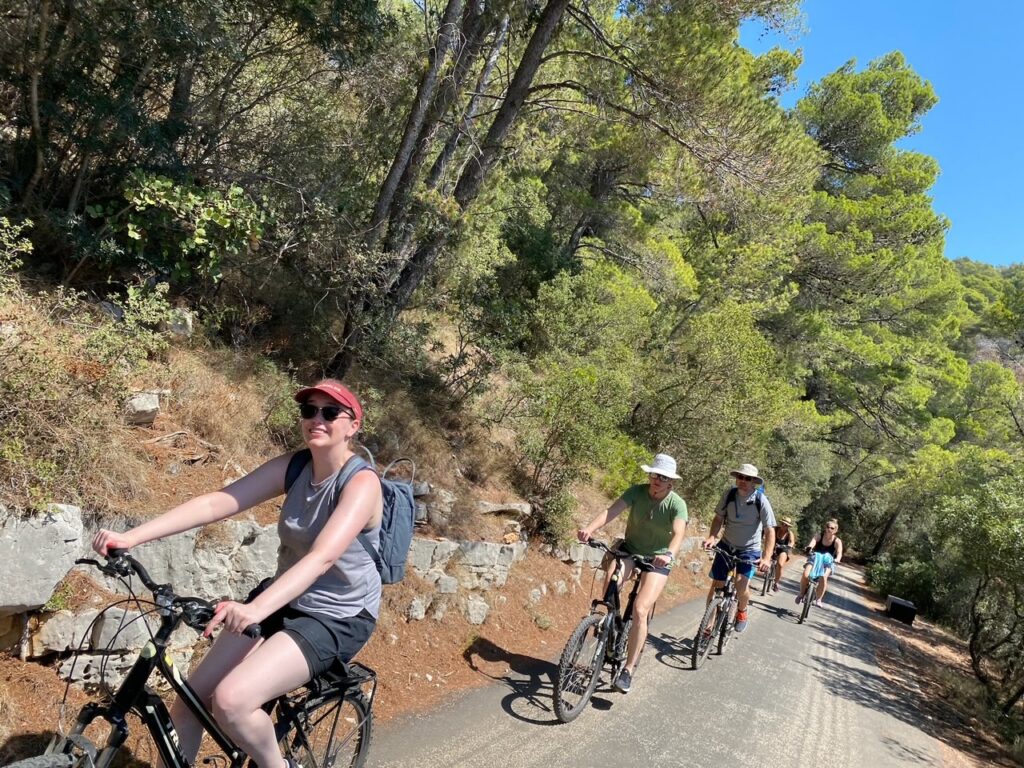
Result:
[900,609]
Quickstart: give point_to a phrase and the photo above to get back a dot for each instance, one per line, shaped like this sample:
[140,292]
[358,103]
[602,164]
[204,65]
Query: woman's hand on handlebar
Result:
[660,561]
[105,540]
[583,535]
[234,616]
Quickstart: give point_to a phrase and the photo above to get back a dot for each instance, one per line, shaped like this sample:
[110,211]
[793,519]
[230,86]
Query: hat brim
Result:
[757,480]
[663,473]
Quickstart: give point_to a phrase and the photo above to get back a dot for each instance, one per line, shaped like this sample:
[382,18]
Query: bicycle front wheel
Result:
[332,733]
[580,667]
[702,640]
[805,607]
[725,632]
[44,761]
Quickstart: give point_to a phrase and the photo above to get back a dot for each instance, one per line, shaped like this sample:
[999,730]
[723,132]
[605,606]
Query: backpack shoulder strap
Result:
[296,464]
[352,466]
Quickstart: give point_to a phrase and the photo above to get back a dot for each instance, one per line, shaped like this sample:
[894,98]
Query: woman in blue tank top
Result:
[322,604]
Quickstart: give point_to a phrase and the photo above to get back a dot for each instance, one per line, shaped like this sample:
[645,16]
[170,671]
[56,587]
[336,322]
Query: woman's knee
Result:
[229,702]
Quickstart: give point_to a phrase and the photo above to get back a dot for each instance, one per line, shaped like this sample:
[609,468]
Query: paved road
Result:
[782,695]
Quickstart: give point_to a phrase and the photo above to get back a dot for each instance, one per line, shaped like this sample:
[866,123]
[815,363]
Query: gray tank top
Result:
[352,584]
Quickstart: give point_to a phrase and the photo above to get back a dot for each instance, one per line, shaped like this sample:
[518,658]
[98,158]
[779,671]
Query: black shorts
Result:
[324,641]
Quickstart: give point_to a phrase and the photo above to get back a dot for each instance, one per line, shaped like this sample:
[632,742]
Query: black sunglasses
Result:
[745,477]
[330,412]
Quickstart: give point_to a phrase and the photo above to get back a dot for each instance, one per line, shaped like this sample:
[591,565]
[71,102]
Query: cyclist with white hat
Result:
[656,527]
[740,517]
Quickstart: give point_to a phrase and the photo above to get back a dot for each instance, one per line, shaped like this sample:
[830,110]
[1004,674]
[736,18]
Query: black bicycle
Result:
[719,617]
[599,640]
[325,724]
[768,582]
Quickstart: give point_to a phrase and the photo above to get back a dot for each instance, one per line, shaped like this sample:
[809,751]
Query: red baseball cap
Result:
[335,391]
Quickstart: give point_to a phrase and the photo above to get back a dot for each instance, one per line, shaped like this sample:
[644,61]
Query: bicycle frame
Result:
[134,694]
[612,600]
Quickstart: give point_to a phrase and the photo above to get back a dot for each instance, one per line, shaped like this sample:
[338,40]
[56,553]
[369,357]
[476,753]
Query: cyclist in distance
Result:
[785,540]
[656,527]
[828,542]
[740,517]
[323,603]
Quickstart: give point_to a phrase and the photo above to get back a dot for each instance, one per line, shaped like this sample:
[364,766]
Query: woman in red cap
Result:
[323,603]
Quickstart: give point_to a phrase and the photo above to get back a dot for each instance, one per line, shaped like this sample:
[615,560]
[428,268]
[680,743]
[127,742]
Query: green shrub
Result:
[910,579]
[184,230]
[12,248]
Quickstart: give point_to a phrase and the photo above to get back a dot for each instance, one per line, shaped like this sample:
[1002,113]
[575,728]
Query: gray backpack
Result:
[398,520]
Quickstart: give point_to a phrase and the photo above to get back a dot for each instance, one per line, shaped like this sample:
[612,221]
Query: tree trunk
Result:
[463,127]
[37,124]
[883,537]
[478,168]
[411,274]
[417,115]
[474,27]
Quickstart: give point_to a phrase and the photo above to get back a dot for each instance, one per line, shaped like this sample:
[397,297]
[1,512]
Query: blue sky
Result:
[976,131]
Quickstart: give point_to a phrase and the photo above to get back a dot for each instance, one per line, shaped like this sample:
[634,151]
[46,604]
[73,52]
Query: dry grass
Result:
[228,399]
[61,428]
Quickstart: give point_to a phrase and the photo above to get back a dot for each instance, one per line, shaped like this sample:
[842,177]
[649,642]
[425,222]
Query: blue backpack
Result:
[399,512]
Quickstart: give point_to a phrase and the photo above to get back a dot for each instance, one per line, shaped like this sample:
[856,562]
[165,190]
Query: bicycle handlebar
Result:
[195,611]
[643,563]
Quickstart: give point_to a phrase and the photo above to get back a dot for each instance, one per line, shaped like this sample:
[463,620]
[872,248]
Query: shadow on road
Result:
[849,632]
[529,678]
[672,651]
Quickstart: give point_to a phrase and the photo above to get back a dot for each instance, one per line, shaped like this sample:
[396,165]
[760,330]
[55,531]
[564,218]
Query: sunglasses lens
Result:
[330,412]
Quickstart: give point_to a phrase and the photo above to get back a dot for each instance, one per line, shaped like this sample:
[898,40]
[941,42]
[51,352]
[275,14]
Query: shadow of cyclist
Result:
[530,680]
[672,651]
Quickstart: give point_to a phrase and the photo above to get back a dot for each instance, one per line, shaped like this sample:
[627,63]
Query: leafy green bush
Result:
[183,230]
[910,579]
[12,247]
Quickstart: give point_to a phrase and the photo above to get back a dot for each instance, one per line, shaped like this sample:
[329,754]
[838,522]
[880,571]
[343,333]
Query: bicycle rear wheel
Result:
[702,640]
[580,666]
[333,732]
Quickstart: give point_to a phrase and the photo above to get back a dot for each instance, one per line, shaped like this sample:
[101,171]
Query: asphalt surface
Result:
[783,694]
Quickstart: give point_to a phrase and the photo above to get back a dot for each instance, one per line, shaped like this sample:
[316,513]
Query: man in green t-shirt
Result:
[656,527]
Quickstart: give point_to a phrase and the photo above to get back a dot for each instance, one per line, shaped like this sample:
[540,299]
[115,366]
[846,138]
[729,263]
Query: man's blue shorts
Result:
[747,565]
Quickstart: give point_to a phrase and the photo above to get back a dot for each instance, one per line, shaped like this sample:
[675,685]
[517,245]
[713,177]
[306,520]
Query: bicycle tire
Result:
[702,643]
[766,582]
[579,667]
[726,630]
[44,761]
[805,607]
[318,744]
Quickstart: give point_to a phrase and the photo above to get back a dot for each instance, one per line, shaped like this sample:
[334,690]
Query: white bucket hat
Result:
[664,465]
[750,471]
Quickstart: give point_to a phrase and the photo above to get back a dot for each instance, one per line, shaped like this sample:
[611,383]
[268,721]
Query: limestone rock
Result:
[477,610]
[142,408]
[37,552]
[516,507]
[63,631]
[417,609]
